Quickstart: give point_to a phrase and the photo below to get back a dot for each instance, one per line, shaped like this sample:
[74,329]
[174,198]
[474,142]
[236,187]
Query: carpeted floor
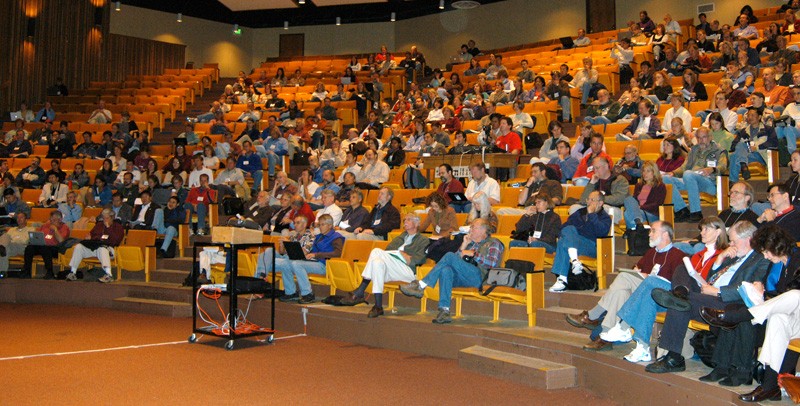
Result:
[301,370]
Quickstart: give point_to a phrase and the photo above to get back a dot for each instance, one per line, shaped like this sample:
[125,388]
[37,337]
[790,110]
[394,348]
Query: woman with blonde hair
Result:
[648,194]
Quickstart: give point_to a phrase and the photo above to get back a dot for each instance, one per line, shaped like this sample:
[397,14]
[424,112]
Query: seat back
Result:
[130,258]
[356,250]
[341,275]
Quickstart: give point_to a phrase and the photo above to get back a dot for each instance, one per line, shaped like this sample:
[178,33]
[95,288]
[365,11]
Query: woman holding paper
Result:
[781,312]
[639,311]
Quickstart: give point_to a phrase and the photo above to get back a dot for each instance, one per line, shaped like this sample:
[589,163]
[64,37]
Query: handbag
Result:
[586,280]
[232,206]
[513,276]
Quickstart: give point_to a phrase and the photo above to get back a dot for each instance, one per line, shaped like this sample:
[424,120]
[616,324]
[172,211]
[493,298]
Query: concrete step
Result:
[152,306]
[529,371]
[171,276]
[177,263]
[578,300]
[172,292]
[554,317]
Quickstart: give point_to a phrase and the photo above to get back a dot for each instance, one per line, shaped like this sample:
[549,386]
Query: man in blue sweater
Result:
[250,163]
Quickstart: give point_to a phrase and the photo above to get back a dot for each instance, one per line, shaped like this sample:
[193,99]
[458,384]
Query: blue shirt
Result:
[71,214]
[279,146]
[329,186]
[249,163]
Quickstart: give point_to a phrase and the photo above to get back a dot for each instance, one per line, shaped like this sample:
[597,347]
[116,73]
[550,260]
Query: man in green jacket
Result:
[398,262]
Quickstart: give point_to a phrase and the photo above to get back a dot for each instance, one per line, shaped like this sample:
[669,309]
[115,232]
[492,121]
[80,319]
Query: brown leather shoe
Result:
[759,395]
[582,320]
[375,312]
[598,345]
[716,318]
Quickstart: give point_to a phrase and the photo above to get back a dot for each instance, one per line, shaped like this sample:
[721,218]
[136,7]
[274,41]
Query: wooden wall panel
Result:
[67,43]
[138,56]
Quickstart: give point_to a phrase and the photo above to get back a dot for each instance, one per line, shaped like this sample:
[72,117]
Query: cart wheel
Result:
[271,339]
[229,345]
[193,338]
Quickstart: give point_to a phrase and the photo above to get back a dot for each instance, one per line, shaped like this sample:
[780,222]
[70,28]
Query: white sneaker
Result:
[639,354]
[617,335]
[560,285]
[577,267]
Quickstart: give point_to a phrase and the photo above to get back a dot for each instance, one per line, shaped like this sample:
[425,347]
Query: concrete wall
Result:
[724,10]
[206,41]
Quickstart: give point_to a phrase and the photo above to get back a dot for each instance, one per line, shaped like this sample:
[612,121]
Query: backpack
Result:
[553,172]
[586,280]
[414,179]
[704,343]
[533,140]
[300,158]
[513,276]
[232,206]
[638,241]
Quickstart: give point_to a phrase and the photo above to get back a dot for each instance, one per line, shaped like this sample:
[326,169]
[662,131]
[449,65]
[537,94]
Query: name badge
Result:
[344,224]
[104,237]
[438,229]
[272,147]
[537,234]
[278,196]
[656,268]
[255,213]
[555,94]
[735,86]
[48,237]
[200,199]
[376,222]
[711,164]
[766,99]
[590,169]
[245,162]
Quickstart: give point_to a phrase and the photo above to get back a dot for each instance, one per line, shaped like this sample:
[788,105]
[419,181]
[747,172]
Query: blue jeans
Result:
[257,176]
[460,207]
[202,212]
[742,155]
[450,272]
[703,114]
[598,120]
[586,88]
[790,133]
[689,248]
[535,244]
[273,160]
[639,311]
[571,239]
[204,118]
[566,107]
[582,181]
[693,184]
[169,231]
[300,270]
[633,212]
[264,262]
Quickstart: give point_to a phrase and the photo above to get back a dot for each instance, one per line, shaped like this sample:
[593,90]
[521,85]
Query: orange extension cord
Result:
[242,327]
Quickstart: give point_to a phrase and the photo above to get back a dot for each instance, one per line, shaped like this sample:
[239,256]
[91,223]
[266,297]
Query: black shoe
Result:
[159,253]
[716,318]
[682,215]
[745,171]
[49,276]
[681,291]
[759,394]
[738,379]
[695,217]
[290,298]
[714,376]
[2,251]
[666,364]
[666,299]
[24,275]
[306,299]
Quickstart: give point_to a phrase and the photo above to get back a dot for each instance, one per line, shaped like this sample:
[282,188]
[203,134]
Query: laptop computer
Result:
[294,250]
[16,116]
[566,42]
[180,141]
[36,238]
[457,197]
[346,80]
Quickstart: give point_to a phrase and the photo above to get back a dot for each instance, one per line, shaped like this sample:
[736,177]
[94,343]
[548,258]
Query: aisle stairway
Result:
[200,106]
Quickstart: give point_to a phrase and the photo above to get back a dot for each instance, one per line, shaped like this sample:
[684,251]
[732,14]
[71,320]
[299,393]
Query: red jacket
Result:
[304,211]
[205,196]
[113,235]
[581,172]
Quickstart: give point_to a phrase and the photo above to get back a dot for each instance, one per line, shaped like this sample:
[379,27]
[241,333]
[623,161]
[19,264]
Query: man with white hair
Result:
[329,207]
[398,262]
[105,235]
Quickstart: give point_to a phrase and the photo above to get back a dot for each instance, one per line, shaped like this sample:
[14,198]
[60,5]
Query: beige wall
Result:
[725,10]
[206,41]
[495,25]
[438,36]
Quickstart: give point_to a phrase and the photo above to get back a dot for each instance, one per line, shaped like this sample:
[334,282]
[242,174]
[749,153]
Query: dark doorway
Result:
[291,45]
[601,15]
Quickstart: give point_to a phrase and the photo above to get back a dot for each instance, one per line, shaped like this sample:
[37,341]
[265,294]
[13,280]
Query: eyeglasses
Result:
[735,192]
